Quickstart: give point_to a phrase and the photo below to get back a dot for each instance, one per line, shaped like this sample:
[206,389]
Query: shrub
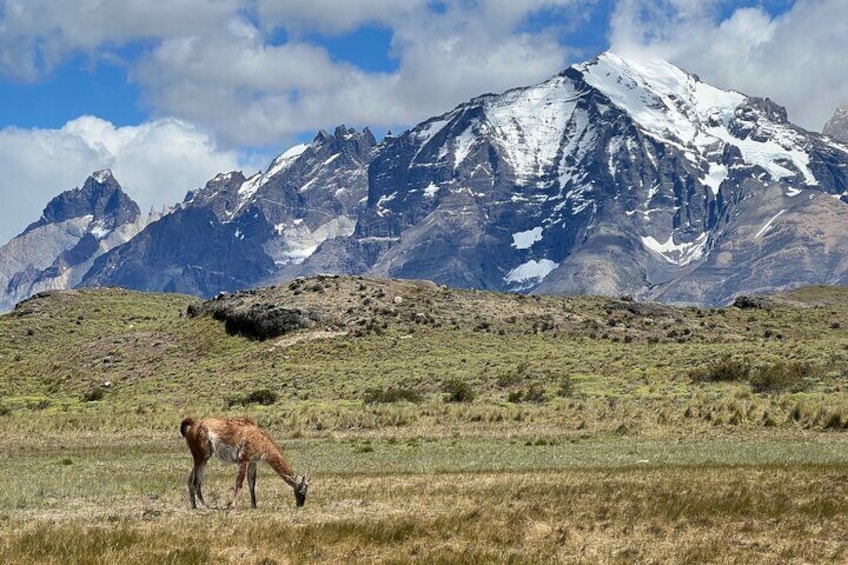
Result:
[723,370]
[458,391]
[391,394]
[94,394]
[262,396]
[513,377]
[533,393]
[566,386]
[782,376]
[515,396]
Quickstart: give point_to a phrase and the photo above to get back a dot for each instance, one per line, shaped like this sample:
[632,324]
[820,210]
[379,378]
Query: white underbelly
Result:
[224,451]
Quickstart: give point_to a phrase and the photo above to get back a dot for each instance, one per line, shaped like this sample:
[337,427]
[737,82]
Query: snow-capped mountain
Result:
[614,177]
[75,228]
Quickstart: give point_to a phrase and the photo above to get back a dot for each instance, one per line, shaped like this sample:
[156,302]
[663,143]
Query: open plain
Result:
[439,425]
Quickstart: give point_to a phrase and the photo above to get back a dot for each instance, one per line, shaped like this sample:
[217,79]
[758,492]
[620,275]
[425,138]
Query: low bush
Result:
[262,396]
[782,376]
[458,391]
[534,393]
[723,370]
[391,394]
[94,394]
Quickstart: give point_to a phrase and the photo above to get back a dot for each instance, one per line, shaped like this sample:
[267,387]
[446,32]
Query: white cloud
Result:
[221,64]
[156,163]
[797,58]
[38,35]
[251,91]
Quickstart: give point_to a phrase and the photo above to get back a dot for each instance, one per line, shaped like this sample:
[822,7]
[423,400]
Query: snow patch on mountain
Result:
[284,160]
[102,175]
[530,122]
[716,175]
[98,228]
[666,101]
[297,241]
[526,239]
[680,254]
[768,225]
[431,190]
[258,180]
[463,145]
[529,274]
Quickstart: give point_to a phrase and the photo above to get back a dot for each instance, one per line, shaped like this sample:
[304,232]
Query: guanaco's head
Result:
[300,491]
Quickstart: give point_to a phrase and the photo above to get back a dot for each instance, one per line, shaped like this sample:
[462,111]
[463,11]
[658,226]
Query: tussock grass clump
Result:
[534,393]
[94,394]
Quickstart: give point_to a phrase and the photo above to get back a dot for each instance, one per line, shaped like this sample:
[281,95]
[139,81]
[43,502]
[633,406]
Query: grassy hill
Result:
[442,424]
[85,359]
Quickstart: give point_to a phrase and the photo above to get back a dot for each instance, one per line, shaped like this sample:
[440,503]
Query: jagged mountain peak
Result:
[75,228]
[618,175]
[101,197]
[102,176]
[837,126]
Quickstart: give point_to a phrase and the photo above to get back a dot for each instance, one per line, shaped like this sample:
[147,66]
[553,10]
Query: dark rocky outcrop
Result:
[261,320]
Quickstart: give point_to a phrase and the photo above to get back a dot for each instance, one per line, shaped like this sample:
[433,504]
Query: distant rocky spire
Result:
[837,126]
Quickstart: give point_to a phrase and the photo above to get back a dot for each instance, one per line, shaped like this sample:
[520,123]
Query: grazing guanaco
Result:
[239,441]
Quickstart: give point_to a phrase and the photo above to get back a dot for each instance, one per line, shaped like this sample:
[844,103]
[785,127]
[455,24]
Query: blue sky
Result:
[168,94]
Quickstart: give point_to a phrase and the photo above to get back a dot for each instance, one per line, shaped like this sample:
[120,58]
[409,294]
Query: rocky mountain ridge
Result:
[615,177]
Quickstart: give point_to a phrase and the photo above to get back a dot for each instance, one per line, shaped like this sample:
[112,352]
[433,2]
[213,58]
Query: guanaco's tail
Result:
[186,424]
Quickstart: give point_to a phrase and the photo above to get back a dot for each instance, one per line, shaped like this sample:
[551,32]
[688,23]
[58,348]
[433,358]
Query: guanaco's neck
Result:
[277,462]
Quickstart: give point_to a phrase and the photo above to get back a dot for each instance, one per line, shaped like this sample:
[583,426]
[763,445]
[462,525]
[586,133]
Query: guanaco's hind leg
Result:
[195,484]
[242,471]
[251,482]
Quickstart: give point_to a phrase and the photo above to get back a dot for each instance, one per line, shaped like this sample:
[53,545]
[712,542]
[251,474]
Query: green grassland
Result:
[441,425]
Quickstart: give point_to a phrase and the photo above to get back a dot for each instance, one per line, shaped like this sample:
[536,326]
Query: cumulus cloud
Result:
[38,35]
[223,65]
[156,163]
[795,58]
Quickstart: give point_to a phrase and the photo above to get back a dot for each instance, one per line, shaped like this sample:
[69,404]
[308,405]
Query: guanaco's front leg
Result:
[251,482]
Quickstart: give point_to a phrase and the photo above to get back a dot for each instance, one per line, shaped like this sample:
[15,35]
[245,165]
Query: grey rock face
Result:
[237,232]
[75,228]
[837,126]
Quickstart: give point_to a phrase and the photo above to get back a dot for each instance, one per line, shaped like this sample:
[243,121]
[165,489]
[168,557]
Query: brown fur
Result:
[239,441]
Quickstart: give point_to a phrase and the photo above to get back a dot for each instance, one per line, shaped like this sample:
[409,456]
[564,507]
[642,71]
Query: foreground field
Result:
[438,501]
[440,426]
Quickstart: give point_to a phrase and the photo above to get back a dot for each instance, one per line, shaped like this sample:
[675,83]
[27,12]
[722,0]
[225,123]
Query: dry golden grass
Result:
[678,514]
[106,499]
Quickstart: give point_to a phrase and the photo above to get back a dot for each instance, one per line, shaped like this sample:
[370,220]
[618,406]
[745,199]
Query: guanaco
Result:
[239,441]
